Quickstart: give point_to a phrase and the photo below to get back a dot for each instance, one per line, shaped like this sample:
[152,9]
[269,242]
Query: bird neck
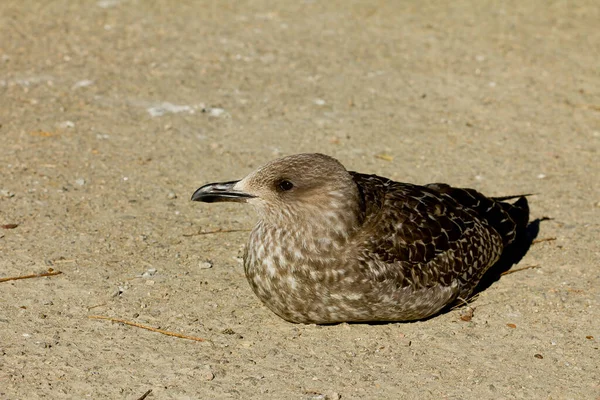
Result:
[318,229]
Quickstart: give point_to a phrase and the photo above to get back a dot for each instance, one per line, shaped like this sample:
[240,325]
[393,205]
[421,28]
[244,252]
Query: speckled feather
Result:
[353,247]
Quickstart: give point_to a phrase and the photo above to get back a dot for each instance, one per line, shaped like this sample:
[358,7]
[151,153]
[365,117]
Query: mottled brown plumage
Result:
[333,246]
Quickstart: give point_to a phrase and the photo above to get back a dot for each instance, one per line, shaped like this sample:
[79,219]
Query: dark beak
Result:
[222,191]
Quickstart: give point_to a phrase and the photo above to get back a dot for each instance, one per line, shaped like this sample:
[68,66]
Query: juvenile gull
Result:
[333,245]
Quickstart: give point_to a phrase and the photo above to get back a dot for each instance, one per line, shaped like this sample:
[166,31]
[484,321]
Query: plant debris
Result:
[50,272]
[512,271]
[149,328]
[216,231]
[548,239]
[9,226]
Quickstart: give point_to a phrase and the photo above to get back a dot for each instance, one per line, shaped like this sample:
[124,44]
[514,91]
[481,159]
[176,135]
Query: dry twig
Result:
[215,231]
[97,305]
[549,239]
[50,272]
[460,302]
[63,261]
[511,271]
[594,107]
[149,328]
[385,157]
[145,394]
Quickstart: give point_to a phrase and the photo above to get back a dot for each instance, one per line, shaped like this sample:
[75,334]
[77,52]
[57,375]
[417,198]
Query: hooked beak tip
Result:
[220,191]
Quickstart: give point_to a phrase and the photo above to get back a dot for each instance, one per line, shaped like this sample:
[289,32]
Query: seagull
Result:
[333,245]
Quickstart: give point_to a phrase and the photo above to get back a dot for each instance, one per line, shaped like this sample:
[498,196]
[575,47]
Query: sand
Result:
[113,112]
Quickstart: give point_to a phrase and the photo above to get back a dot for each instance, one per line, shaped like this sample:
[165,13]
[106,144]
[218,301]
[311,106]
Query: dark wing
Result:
[432,234]
[506,218]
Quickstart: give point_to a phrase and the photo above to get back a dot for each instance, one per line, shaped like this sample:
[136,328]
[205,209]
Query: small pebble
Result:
[80,182]
[150,282]
[9,194]
[541,176]
[149,272]
[216,112]
[326,396]
[242,249]
[107,3]
[539,356]
[205,265]
[208,375]
[171,196]
[119,291]
[82,83]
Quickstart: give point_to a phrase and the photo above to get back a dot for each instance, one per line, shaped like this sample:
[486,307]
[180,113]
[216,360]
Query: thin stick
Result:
[97,305]
[464,302]
[511,271]
[63,261]
[16,278]
[147,328]
[385,157]
[588,106]
[145,394]
[216,231]
[543,240]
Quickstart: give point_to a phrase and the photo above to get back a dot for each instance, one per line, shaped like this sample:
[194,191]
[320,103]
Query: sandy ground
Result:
[113,112]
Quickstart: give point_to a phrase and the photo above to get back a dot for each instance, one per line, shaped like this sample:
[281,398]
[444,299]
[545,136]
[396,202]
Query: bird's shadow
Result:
[512,255]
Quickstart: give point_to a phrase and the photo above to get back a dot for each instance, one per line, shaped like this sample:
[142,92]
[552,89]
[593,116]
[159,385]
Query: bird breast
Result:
[312,281]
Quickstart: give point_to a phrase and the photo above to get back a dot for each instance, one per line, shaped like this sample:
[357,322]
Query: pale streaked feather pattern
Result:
[343,246]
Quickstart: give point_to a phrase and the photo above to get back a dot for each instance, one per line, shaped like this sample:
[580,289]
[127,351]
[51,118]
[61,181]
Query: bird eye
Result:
[285,185]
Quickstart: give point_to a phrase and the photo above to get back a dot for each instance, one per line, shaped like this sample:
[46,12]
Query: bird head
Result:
[292,189]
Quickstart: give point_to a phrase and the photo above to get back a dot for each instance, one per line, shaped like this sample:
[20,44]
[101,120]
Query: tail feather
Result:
[518,212]
[518,196]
